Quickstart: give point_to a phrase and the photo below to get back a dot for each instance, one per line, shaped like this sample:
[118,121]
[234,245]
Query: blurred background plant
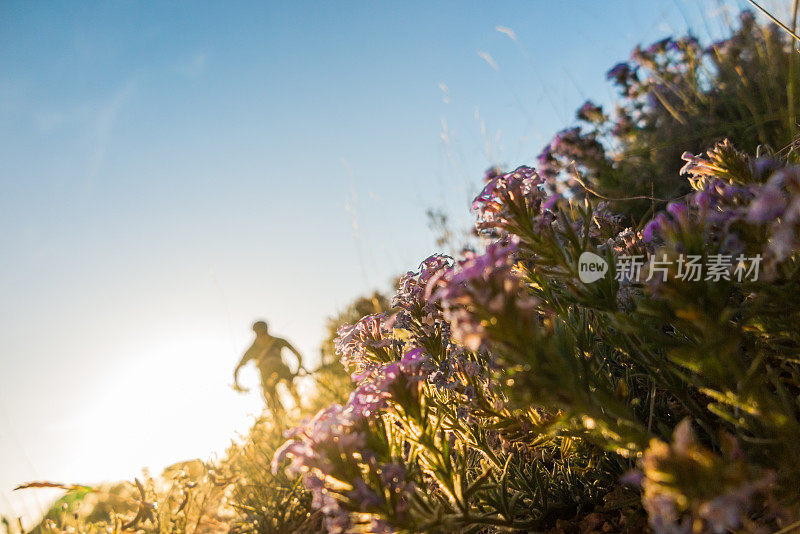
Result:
[678,95]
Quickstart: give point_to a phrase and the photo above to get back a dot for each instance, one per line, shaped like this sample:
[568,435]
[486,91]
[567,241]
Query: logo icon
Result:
[591,267]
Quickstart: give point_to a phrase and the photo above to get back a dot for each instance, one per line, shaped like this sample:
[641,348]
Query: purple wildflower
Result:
[702,199]
[365,496]
[763,167]
[517,184]
[551,202]
[367,399]
[678,210]
[653,228]
[359,344]
[415,365]
[767,206]
[411,297]
[486,282]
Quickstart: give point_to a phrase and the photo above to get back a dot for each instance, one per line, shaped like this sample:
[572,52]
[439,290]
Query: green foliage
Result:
[267,503]
[677,96]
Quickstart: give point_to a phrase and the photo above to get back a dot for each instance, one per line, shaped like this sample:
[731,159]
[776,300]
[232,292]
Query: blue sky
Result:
[170,172]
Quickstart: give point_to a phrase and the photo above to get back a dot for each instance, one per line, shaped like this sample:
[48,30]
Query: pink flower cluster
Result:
[486,283]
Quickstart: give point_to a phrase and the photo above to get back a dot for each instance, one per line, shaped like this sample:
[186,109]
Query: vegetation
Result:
[674,96]
[508,393]
[513,390]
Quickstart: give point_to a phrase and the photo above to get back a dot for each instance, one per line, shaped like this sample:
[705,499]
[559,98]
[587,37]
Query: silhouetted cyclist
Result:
[266,352]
